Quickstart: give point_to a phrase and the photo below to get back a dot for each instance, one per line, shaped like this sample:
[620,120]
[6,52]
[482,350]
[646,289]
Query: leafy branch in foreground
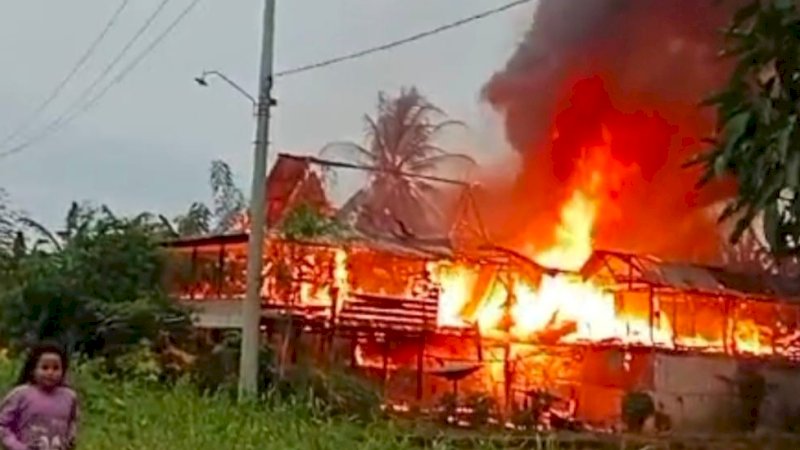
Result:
[758,137]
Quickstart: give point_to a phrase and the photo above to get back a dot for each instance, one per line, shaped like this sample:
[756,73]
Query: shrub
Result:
[96,288]
[139,363]
[335,392]
[482,407]
[637,407]
[447,407]
[751,388]
[216,369]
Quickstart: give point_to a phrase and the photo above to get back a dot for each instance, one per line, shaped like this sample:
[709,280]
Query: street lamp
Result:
[202,80]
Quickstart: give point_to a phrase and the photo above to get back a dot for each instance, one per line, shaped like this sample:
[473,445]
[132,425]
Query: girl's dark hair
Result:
[32,360]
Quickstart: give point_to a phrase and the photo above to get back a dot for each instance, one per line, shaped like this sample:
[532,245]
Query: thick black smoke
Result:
[666,47]
[634,69]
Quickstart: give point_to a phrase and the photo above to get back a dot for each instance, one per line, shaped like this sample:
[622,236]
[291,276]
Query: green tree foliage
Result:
[759,138]
[196,221]
[7,237]
[228,199]
[306,222]
[228,205]
[400,143]
[96,286]
[7,220]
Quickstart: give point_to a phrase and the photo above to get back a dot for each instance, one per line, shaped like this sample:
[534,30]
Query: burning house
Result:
[515,295]
[427,317]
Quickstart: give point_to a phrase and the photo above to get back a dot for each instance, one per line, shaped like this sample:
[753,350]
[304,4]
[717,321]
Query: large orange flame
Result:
[565,308]
[573,235]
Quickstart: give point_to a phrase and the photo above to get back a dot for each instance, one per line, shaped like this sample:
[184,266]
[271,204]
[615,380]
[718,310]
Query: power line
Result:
[68,118]
[142,55]
[400,42]
[70,115]
[110,67]
[71,74]
[84,95]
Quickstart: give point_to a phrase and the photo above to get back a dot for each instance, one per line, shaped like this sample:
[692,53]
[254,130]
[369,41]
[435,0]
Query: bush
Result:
[637,407]
[534,410]
[139,363]
[97,289]
[335,392]
[482,407]
[477,409]
[447,408]
[216,369]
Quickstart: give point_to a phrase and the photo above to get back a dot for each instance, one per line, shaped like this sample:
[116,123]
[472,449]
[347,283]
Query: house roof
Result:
[636,269]
[456,223]
[290,183]
[423,249]
[206,241]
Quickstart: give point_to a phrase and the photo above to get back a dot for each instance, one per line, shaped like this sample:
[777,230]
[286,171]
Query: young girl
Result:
[41,412]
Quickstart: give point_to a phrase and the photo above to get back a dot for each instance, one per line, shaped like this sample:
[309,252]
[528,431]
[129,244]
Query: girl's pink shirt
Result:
[33,418]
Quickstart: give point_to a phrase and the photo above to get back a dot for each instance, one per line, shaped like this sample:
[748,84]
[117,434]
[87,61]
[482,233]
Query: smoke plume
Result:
[602,96]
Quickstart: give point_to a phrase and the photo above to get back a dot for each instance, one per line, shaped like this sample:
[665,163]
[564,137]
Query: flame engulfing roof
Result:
[633,269]
[292,182]
[418,249]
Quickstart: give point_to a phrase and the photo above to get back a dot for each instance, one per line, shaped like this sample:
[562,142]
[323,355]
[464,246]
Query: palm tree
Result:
[400,145]
[81,218]
[17,228]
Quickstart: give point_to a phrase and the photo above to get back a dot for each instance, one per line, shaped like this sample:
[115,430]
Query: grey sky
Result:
[148,144]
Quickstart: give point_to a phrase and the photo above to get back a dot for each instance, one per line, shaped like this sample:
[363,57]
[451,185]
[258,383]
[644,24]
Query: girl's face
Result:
[49,371]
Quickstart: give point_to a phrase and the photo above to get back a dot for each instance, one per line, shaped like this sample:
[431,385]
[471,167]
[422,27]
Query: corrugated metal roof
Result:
[651,270]
[679,275]
[415,248]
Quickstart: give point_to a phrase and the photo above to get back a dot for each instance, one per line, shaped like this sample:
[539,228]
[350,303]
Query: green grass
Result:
[133,415]
[138,418]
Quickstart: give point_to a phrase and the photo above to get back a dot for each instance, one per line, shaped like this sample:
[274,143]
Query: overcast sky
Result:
[148,144]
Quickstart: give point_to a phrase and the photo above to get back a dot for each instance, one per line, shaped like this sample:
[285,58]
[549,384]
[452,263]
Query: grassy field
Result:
[135,415]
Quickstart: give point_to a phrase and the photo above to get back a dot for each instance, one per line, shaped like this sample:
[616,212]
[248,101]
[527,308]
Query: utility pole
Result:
[251,307]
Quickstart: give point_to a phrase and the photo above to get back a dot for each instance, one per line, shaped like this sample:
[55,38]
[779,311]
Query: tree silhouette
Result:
[400,143]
